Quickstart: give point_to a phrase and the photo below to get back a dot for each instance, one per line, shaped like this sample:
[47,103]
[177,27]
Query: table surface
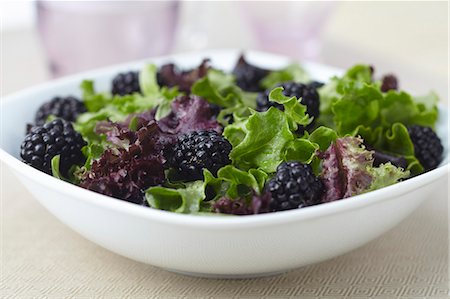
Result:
[42,258]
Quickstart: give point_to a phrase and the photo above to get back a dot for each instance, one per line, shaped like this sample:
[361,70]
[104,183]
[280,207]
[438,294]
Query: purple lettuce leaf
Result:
[169,75]
[189,113]
[258,204]
[346,169]
[125,172]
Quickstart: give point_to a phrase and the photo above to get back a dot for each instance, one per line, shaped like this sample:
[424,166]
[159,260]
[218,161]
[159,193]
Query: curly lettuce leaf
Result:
[357,106]
[292,72]
[402,107]
[294,110]
[345,166]
[104,106]
[386,175]
[266,135]
[189,113]
[91,152]
[394,140]
[87,122]
[242,183]
[348,170]
[323,137]
[182,200]
[220,88]
[189,197]
[335,88]
[300,149]
[236,132]
[354,105]
[359,73]
[214,187]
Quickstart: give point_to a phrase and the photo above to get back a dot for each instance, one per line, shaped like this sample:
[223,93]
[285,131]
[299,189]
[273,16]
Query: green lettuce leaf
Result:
[293,72]
[323,137]
[104,106]
[235,133]
[386,175]
[148,81]
[234,183]
[266,135]
[357,106]
[294,110]
[336,87]
[300,149]
[354,105]
[214,187]
[56,172]
[219,88]
[402,107]
[182,200]
[242,183]
[92,100]
[394,140]
[55,167]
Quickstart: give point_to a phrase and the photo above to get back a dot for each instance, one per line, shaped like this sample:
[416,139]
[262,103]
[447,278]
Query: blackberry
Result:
[125,83]
[294,186]
[195,151]
[389,82]
[57,137]
[427,146]
[308,93]
[67,108]
[248,76]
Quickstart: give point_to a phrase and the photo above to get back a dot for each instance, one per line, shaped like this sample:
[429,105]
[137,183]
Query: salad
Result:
[204,141]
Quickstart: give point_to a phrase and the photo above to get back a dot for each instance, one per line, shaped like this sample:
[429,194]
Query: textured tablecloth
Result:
[42,258]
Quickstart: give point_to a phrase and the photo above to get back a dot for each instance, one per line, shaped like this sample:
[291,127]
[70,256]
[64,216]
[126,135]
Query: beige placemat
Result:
[42,258]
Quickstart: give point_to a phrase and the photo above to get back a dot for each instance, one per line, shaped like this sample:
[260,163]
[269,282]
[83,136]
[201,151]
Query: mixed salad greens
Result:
[147,146]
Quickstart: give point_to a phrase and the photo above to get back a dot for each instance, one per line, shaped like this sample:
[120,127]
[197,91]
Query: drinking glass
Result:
[80,35]
[291,28]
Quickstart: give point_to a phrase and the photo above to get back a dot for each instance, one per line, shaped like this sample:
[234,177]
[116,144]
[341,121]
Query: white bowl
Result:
[207,245]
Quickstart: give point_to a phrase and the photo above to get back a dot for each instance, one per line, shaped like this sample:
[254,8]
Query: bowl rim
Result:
[205,221]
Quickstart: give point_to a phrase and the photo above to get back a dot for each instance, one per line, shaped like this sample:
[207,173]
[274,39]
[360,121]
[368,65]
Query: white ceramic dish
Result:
[200,245]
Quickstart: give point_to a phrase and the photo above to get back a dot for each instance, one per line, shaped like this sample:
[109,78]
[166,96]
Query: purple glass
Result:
[80,35]
[292,28]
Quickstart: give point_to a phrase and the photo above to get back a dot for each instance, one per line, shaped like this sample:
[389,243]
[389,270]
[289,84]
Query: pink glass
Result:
[80,35]
[292,28]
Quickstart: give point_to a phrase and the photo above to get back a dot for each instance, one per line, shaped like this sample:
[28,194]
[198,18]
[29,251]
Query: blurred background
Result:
[45,39]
